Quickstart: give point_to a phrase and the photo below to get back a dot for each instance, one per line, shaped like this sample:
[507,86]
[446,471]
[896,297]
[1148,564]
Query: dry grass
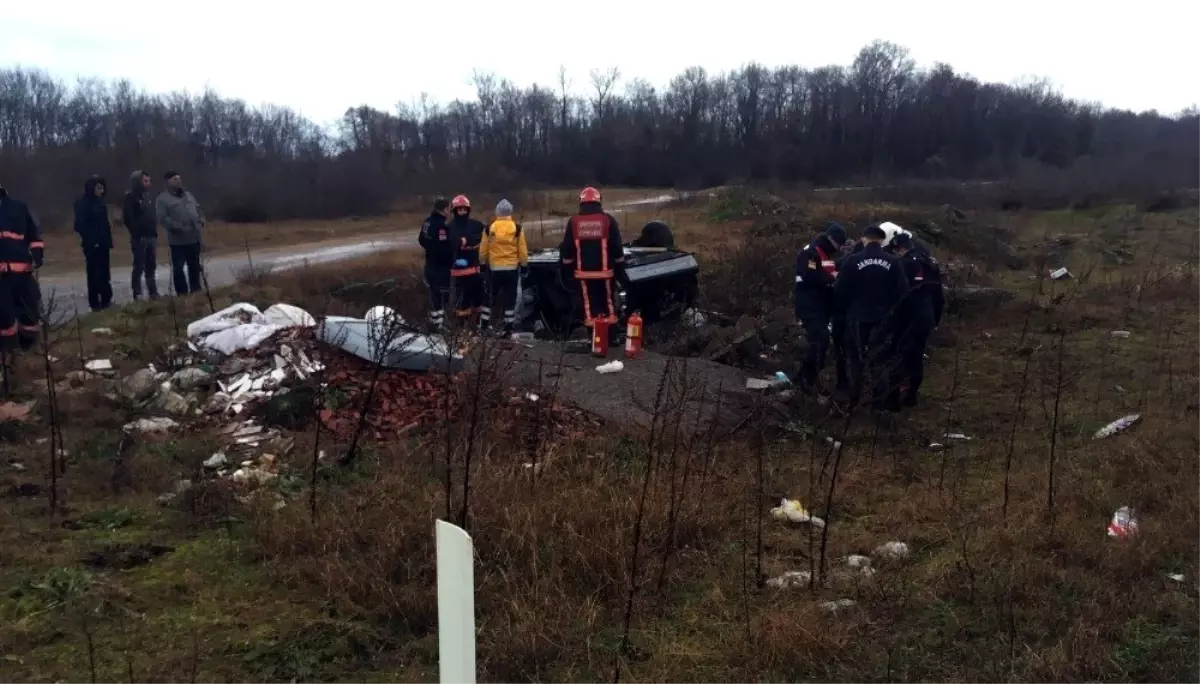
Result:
[1034,591]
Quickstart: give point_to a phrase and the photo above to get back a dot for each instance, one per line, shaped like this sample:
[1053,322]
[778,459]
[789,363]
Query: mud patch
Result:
[124,556]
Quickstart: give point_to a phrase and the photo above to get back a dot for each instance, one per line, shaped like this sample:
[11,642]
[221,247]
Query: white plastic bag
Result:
[244,336]
[230,316]
[288,316]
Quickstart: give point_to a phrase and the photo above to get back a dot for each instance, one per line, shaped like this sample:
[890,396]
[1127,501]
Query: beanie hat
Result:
[504,208]
[902,240]
[874,232]
[169,175]
[836,233]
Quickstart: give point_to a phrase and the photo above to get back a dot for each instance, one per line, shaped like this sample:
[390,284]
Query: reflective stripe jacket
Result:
[591,247]
[503,247]
[20,237]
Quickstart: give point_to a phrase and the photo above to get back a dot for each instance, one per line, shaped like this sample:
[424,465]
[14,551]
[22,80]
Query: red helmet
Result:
[460,202]
[589,194]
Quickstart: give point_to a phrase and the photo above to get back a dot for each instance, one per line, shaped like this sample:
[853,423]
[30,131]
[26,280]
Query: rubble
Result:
[100,366]
[1118,425]
[140,386]
[793,512]
[791,578]
[145,425]
[892,550]
[835,607]
[191,379]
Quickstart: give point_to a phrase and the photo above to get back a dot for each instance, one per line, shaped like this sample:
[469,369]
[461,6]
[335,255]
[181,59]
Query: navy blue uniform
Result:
[870,285]
[439,259]
[920,313]
[465,234]
[817,309]
[21,252]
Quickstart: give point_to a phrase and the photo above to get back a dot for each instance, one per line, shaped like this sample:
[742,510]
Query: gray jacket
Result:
[181,217]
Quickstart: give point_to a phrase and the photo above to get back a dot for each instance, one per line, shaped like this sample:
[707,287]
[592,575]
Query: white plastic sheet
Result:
[242,326]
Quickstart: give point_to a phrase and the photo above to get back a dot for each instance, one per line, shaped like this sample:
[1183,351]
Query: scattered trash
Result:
[140,386]
[1060,273]
[957,436]
[936,446]
[610,367]
[782,378]
[531,396]
[1123,524]
[891,550]
[1117,425]
[242,326]
[523,337]
[834,607]
[191,378]
[793,512]
[102,366]
[791,578]
[103,332]
[145,425]
[217,460]
[1175,577]
[12,412]
[833,443]
[856,561]
[1120,334]
[1119,389]
[694,318]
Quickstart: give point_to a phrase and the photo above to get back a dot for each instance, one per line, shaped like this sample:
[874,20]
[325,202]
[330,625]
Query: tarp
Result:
[243,326]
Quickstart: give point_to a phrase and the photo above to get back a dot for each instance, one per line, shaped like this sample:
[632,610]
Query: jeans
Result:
[144,263]
[99,277]
[186,256]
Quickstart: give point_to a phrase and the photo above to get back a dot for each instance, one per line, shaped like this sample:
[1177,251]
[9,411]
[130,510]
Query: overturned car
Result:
[662,284]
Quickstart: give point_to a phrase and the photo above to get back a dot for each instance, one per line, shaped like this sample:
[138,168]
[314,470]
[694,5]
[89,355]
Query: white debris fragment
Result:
[103,332]
[1120,334]
[99,365]
[1060,273]
[1117,425]
[892,550]
[150,425]
[217,460]
[791,578]
[835,607]
[837,445]
[1175,577]
[531,396]
[957,436]
[610,367]
[858,561]
[694,318]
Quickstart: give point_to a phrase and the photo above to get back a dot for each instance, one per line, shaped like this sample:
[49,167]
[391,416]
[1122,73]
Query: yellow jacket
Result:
[503,246]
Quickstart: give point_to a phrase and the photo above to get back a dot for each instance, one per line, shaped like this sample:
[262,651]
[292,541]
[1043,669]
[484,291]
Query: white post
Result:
[456,604]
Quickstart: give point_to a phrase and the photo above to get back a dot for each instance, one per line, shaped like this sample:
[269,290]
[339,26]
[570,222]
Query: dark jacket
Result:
[91,217]
[465,234]
[926,299]
[816,269]
[21,243]
[870,285]
[137,213]
[435,240]
[592,244]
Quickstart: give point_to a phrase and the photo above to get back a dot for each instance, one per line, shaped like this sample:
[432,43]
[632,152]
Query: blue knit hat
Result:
[504,208]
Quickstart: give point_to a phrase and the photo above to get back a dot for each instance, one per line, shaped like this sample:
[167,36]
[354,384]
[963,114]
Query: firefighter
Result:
[920,313]
[21,252]
[870,285]
[817,309]
[439,259]
[592,253]
[505,255]
[465,234]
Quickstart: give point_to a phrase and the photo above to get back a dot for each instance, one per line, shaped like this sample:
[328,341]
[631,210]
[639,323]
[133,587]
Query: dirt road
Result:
[70,289]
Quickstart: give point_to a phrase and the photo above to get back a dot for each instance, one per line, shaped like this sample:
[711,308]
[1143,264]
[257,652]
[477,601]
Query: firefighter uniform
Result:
[870,285]
[593,255]
[21,252]
[919,314]
[465,234]
[439,259]
[816,307]
[505,255]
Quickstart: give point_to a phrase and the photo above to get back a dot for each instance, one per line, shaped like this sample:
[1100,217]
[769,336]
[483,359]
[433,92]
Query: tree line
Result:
[878,118]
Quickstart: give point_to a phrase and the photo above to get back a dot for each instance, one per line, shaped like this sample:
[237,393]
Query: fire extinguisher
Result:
[600,337]
[633,337]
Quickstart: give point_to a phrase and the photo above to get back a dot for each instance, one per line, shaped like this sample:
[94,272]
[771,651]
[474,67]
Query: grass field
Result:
[1010,575]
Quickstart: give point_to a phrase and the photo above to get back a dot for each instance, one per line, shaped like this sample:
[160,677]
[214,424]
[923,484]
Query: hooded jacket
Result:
[180,215]
[465,234]
[816,272]
[91,217]
[137,213]
[503,246]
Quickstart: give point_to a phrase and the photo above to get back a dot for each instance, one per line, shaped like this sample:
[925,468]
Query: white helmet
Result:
[891,230]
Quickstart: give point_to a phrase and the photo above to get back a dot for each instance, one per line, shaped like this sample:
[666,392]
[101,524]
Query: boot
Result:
[910,399]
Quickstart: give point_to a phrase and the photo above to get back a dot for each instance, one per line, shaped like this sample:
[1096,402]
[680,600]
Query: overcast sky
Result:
[322,57]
